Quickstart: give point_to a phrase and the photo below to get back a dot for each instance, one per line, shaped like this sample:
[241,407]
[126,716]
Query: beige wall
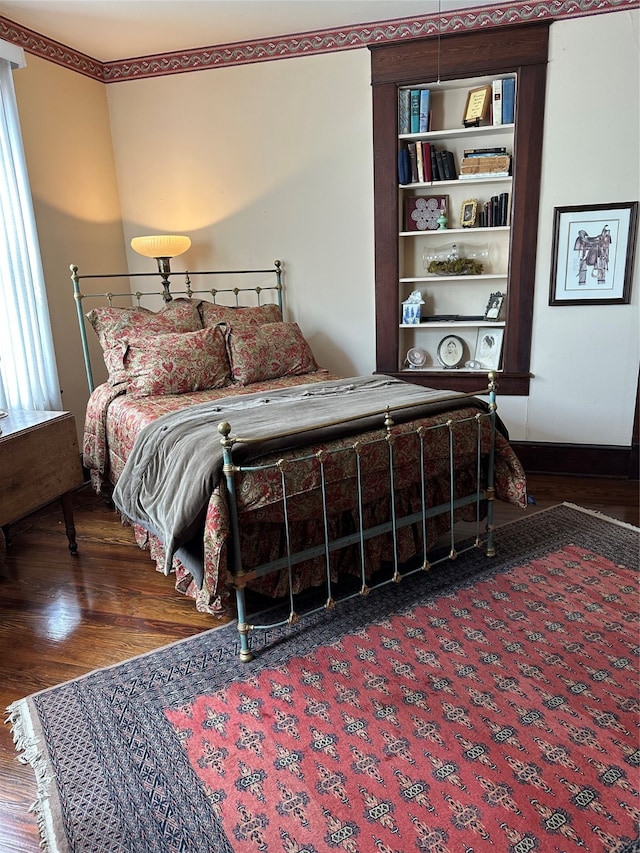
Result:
[262,162]
[274,160]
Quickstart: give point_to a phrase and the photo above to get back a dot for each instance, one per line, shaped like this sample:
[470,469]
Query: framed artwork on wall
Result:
[593,254]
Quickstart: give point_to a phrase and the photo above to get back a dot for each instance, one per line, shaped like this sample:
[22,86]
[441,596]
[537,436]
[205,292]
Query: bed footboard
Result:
[408,505]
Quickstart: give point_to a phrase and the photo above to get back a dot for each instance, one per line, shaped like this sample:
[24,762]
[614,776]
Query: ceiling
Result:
[109,30]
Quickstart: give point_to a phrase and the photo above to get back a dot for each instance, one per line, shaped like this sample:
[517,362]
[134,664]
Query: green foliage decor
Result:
[457,266]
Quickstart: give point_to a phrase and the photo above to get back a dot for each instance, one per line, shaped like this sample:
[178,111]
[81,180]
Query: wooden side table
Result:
[39,462]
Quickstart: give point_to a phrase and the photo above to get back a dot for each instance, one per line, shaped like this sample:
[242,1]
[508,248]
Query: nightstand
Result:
[39,462]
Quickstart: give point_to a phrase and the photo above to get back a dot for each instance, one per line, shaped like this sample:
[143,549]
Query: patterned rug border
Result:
[157,676]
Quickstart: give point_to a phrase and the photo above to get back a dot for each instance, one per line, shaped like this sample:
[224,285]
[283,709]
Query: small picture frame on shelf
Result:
[469,213]
[477,106]
[451,352]
[494,306]
[489,348]
[422,212]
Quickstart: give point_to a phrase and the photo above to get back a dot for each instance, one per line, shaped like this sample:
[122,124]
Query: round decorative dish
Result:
[416,358]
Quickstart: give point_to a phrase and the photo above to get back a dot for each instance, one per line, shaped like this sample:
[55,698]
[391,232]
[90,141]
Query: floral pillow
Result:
[176,363]
[115,326]
[253,316]
[267,352]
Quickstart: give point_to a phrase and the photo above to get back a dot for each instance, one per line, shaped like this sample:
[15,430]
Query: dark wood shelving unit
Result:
[519,50]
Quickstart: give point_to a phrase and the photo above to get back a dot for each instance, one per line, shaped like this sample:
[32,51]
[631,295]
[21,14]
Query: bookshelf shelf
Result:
[459,62]
[456,324]
[459,133]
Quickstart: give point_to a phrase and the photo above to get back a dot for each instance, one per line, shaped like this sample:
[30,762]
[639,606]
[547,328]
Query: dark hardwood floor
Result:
[62,616]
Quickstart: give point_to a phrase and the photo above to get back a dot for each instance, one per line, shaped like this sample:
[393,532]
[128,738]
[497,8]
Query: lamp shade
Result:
[161,245]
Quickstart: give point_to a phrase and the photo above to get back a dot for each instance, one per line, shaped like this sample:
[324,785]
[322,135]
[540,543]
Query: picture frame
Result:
[489,347]
[422,212]
[593,252]
[477,106]
[451,352]
[494,306]
[469,213]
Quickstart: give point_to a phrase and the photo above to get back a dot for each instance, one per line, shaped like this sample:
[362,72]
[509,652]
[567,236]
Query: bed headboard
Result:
[237,288]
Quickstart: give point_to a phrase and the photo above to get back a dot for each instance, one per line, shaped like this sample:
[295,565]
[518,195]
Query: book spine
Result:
[508,100]
[419,159]
[413,160]
[440,165]
[475,175]
[503,204]
[434,164]
[425,106]
[404,114]
[485,152]
[426,162]
[414,102]
[496,90]
[404,167]
[449,165]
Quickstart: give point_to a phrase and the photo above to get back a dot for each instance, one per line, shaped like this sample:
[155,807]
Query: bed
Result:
[244,465]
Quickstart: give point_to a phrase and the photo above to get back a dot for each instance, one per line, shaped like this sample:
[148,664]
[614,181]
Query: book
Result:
[413,159]
[503,206]
[404,118]
[419,158]
[450,171]
[404,167]
[496,101]
[476,165]
[483,152]
[440,165]
[426,162]
[414,111]
[508,100]
[434,165]
[425,97]
[477,175]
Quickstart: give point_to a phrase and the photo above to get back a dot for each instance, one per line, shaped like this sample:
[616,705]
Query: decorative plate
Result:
[451,351]
[416,358]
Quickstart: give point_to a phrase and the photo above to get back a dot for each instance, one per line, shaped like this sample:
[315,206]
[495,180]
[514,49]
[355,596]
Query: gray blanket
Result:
[176,461]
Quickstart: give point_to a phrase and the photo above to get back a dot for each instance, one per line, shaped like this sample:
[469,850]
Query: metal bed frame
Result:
[231,470]
[483,496]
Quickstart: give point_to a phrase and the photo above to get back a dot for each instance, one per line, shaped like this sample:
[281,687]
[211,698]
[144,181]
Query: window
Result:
[28,372]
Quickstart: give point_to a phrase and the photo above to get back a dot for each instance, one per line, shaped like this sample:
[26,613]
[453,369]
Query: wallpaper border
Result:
[303,44]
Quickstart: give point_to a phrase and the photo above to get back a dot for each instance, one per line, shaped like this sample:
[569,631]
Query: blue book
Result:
[404,119]
[508,99]
[414,102]
[404,167]
[425,105]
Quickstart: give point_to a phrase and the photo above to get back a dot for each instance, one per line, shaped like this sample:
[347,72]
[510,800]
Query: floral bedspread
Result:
[114,420]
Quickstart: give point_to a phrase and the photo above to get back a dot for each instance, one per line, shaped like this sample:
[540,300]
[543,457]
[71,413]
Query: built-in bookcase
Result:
[491,219]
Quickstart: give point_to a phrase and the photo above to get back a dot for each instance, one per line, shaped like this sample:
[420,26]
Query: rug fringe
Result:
[596,514]
[28,746]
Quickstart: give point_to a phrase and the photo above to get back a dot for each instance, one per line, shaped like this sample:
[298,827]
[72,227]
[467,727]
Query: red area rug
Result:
[486,705]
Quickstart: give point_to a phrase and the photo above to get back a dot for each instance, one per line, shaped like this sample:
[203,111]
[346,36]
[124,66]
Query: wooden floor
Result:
[62,616]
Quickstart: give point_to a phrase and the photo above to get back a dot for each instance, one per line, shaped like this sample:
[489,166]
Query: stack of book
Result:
[414,110]
[485,163]
[495,212]
[503,100]
[421,162]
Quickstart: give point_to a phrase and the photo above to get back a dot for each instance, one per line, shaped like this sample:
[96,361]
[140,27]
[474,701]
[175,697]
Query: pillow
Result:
[266,352]
[176,363]
[115,326]
[256,316]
